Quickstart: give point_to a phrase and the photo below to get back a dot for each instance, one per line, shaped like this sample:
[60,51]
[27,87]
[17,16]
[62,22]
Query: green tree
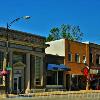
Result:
[70,32]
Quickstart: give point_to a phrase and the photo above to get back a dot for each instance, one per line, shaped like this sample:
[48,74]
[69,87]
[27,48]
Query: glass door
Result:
[17,84]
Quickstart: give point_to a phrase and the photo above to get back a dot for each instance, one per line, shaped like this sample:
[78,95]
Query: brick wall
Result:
[76,47]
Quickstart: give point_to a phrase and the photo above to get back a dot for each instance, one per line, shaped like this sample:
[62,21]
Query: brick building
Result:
[76,54]
[94,64]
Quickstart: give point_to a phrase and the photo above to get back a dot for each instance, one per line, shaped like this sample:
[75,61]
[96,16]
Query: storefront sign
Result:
[18,46]
[9,68]
[93,71]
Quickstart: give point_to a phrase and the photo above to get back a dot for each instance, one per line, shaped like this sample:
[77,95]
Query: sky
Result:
[46,14]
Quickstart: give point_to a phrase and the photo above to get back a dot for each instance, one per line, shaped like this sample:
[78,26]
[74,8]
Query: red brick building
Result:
[76,54]
[94,64]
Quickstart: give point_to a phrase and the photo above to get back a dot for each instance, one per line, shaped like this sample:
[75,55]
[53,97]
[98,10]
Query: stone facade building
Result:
[25,61]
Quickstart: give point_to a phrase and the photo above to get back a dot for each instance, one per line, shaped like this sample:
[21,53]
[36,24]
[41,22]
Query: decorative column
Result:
[42,69]
[27,73]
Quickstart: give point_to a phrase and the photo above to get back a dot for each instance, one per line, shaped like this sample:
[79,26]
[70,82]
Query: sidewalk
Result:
[53,93]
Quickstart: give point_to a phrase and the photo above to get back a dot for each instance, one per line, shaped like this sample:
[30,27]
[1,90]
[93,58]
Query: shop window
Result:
[60,78]
[38,70]
[1,80]
[97,59]
[69,57]
[84,59]
[55,78]
[1,65]
[77,58]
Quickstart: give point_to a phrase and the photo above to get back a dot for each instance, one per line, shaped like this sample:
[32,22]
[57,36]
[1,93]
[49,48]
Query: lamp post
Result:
[5,72]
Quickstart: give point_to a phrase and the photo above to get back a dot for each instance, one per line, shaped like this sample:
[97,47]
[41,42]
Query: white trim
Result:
[52,86]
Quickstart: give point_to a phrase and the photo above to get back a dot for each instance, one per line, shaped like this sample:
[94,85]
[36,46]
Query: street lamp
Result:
[5,72]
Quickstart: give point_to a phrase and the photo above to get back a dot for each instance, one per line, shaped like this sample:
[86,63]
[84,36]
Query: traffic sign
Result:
[94,71]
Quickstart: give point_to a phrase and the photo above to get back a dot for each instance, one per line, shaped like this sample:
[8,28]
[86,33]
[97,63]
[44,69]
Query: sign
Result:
[18,46]
[93,71]
[9,68]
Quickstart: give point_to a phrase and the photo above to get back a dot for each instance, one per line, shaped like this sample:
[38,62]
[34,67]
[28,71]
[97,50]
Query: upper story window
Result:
[84,59]
[97,59]
[91,58]
[1,59]
[18,57]
[77,58]
[69,57]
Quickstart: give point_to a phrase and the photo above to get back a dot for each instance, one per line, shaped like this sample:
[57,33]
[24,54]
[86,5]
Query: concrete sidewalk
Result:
[60,93]
[81,93]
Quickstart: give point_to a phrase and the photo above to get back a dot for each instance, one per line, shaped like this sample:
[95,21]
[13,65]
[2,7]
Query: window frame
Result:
[38,80]
[77,59]
[84,59]
[70,57]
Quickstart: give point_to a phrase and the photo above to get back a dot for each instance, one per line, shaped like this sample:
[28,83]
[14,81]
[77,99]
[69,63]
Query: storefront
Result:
[94,78]
[55,76]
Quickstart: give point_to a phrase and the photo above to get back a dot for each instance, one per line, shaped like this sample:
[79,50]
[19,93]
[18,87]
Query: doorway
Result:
[17,83]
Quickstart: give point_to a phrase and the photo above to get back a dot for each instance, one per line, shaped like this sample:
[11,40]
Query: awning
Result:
[60,67]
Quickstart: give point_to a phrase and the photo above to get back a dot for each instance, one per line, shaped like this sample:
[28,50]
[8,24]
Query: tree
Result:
[70,32]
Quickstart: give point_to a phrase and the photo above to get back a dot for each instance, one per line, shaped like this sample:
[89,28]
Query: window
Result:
[84,59]
[69,57]
[1,60]
[91,58]
[38,70]
[52,78]
[1,80]
[18,57]
[97,59]
[1,65]
[77,58]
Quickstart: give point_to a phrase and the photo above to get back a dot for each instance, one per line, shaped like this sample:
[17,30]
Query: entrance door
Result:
[17,83]
[68,85]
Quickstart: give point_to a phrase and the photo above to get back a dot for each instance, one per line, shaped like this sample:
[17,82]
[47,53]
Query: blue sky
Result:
[46,14]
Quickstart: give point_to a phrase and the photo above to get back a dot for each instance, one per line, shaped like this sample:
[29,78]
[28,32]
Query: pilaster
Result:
[27,73]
